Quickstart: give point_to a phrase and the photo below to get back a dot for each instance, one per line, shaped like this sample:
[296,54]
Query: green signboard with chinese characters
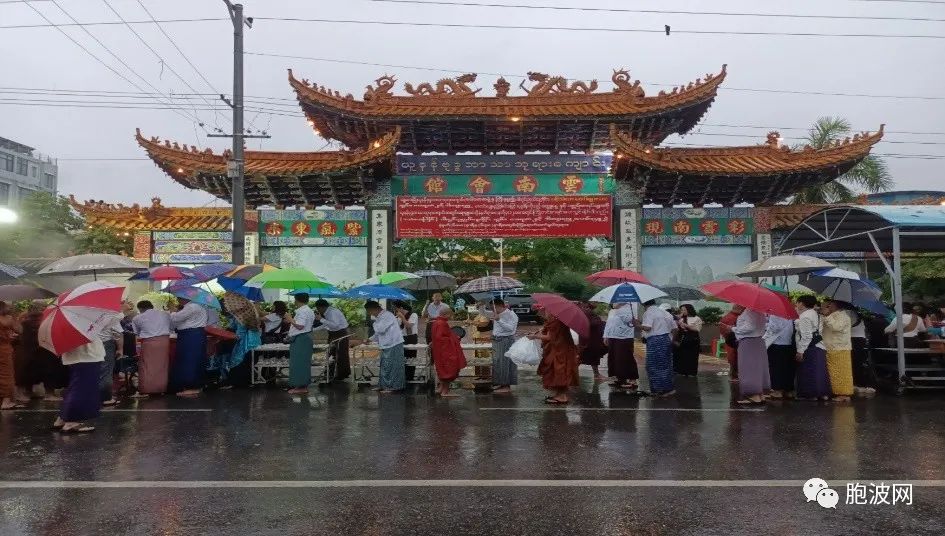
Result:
[313,228]
[697,226]
[539,184]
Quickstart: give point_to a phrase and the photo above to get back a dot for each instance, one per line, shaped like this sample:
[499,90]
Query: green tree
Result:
[870,175]
[46,228]
[103,240]
[922,278]
[537,260]
[459,257]
[571,285]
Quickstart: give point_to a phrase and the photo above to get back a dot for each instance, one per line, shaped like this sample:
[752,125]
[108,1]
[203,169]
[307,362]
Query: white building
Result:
[24,171]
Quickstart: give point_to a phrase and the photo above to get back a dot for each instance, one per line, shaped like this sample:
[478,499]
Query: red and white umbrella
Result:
[78,315]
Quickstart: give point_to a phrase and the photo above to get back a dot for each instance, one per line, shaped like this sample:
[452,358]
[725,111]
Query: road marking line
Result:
[575,408]
[196,484]
[104,411]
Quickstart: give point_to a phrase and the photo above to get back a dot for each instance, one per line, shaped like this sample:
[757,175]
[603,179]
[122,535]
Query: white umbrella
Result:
[628,292]
[92,263]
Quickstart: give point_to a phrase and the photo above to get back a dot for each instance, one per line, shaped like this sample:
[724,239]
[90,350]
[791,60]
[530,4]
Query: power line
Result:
[592,29]
[502,27]
[158,56]
[653,11]
[95,57]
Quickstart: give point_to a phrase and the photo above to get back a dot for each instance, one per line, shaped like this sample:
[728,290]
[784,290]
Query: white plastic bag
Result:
[524,352]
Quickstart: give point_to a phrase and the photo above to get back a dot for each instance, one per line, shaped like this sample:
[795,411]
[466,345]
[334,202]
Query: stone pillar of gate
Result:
[380,215]
[763,245]
[628,206]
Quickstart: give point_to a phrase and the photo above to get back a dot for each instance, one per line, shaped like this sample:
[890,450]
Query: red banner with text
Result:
[504,216]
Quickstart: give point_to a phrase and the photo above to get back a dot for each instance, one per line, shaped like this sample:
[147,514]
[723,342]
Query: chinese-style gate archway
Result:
[600,163]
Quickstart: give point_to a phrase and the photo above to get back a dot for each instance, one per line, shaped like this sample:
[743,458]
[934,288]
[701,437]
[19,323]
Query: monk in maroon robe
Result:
[447,354]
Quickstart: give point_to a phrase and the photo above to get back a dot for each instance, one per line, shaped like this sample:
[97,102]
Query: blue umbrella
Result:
[198,296]
[206,272]
[330,292]
[378,292]
[238,286]
[847,286]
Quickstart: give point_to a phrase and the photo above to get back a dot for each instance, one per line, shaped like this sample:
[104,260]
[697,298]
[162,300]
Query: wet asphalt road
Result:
[419,454]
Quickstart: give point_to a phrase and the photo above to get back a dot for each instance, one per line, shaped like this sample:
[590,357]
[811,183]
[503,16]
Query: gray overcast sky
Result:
[43,58]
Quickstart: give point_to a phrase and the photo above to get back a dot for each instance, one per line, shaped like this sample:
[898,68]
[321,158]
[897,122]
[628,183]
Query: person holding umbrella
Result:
[619,335]
[300,345]
[811,357]
[836,334]
[71,328]
[390,338]
[559,358]
[187,371]
[660,327]
[753,375]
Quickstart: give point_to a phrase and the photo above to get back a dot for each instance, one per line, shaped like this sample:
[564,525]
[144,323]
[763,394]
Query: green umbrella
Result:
[288,278]
[394,279]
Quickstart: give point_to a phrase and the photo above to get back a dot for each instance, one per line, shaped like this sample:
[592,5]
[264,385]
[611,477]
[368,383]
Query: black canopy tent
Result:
[889,230]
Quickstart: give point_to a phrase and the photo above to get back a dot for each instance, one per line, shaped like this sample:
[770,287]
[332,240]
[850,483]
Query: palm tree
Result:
[870,175]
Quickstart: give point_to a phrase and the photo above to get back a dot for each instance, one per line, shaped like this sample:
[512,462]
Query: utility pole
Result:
[236,167]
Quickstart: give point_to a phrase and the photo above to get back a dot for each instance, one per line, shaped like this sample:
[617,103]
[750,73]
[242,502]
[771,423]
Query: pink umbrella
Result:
[613,277]
[564,310]
[752,296]
[78,315]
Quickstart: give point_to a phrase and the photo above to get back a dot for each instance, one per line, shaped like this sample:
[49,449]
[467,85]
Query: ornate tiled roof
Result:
[280,178]
[451,116]
[762,174]
[770,158]
[157,217]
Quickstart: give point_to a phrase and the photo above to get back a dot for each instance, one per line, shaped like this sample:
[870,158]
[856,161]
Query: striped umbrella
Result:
[79,315]
[492,282]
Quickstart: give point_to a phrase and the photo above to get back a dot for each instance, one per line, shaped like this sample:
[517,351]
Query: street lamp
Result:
[8,216]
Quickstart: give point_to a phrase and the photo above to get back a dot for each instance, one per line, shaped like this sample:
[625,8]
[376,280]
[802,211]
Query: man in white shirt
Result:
[334,321]
[113,339]
[659,326]
[433,310]
[912,326]
[504,324]
[153,328]
[300,345]
[618,335]
[187,370]
[275,327]
[390,338]
[754,379]
[779,338]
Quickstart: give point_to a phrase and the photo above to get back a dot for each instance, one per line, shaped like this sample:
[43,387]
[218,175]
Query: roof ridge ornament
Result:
[381,90]
[622,84]
[554,85]
[445,87]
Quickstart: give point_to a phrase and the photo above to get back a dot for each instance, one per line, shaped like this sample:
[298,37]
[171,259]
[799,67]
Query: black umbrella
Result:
[683,293]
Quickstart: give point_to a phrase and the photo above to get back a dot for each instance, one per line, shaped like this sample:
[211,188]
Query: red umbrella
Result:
[752,296]
[564,310]
[79,315]
[613,277]
[164,273]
